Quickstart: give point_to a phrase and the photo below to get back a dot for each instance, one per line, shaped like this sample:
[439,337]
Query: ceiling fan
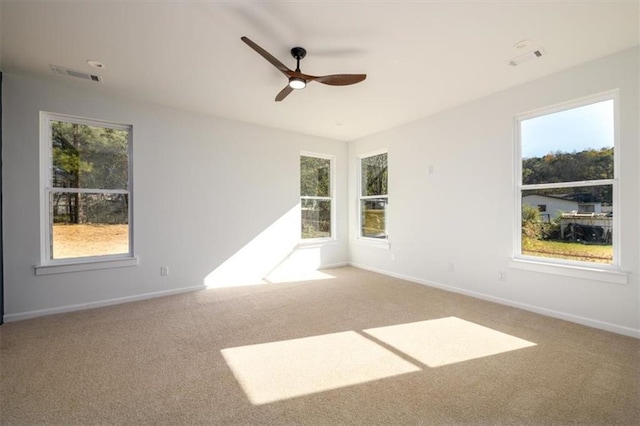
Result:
[298,80]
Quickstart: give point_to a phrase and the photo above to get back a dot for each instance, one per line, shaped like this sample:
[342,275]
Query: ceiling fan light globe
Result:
[297,83]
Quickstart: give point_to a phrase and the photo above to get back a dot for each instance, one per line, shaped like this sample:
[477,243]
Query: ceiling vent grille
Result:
[534,54]
[74,73]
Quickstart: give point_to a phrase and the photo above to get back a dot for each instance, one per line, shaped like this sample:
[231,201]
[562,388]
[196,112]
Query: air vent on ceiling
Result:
[74,73]
[534,54]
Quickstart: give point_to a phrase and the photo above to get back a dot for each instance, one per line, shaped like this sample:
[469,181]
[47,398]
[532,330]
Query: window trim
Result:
[598,271]
[375,242]
[332,198]
[48,265]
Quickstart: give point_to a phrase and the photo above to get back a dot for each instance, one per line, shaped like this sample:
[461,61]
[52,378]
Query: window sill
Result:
[316,242]
[614,276]
[372,242]
[78,266]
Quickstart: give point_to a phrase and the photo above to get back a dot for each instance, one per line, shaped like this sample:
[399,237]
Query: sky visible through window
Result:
[573,130]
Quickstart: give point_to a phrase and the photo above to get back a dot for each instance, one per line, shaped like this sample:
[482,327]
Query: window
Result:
[316,196]
[566,163]
[86,190]
[373,196]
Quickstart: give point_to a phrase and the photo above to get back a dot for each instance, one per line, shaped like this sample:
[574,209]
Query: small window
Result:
[316,196]
[373,196]
[86,189]
[567,164]
[587,208]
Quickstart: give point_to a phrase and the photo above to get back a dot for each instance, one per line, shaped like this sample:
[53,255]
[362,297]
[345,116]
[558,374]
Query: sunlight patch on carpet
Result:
[446,341]
[276,371]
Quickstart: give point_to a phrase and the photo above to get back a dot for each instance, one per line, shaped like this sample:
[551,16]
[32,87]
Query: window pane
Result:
[374,175]
[577,223]
[374,217]
[89,157]
[316,218]
[89,224]
[569,146]
[315,176]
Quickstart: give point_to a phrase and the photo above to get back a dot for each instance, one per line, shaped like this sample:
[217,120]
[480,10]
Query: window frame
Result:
[381,242]
[331,198]
[591,270]
[48,265]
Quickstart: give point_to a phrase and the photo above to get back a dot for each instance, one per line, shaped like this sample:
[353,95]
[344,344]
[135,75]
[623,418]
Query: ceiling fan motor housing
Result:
[298,82]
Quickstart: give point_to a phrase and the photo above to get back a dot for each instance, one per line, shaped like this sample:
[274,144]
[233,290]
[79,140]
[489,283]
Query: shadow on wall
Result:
[274,256]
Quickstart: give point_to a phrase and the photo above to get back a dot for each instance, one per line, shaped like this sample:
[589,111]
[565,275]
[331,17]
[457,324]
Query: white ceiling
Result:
[420,56]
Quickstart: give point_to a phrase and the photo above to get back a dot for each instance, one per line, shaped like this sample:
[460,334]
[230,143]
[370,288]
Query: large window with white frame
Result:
[568,183]
[316,196]
[86,190]
[373,196]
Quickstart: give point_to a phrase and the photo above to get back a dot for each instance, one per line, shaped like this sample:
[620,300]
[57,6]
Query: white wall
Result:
[206,190]
[462,214]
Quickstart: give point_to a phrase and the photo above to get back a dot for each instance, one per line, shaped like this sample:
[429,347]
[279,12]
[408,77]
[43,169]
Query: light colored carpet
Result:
[360,348]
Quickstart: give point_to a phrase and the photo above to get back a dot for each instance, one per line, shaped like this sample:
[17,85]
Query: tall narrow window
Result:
[567,165]
[316,199]
[86,189]
[373,196]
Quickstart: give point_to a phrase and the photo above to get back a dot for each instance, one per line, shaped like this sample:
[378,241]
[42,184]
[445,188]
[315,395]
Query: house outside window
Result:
[316,196]
[566,162]
[86,190]
[373,196]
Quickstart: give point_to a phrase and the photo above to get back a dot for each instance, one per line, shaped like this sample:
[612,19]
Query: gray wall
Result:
[1,184]
[461,217]
[208,192]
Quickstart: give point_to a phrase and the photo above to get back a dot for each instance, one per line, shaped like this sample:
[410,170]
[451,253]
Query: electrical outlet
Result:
[393,256]
[164,270]
[451,267]
[502,276]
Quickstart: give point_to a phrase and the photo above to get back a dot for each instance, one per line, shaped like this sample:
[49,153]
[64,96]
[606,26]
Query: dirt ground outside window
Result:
[84,240]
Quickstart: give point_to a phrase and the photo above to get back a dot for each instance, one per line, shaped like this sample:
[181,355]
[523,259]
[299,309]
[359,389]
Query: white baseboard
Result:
[589,322]
[97,304]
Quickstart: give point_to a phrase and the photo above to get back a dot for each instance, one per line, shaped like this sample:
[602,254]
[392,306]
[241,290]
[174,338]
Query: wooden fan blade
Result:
[340,79]
[283,93]
[276,63]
